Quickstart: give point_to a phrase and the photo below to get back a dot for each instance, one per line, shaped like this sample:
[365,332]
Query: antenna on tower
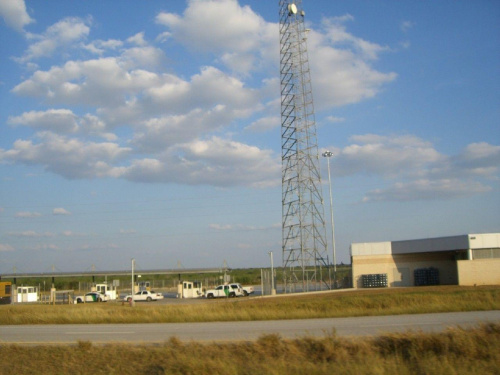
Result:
[303,226]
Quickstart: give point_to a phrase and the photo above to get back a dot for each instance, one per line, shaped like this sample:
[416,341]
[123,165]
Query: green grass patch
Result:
[455,351]
[392,301]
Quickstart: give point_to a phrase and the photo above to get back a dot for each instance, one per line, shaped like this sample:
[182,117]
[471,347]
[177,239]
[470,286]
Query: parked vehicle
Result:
[238,289]
[220,291]
[247,290]
[5,292]
[227,290]
[144,295]
[92,297]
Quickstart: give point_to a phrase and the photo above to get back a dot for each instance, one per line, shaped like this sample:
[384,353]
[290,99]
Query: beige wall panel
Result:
[479,272]
[400,268]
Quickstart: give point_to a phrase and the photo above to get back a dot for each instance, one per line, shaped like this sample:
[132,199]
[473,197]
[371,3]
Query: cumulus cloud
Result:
[176,128]
[242,37]
[65,156]
[384,155]
[264,124]
[58,120]
[217,162]
[417,169]
[440,189]
[27,214]
[5,247]
[62,121]
[60,211]
[341,65]
[14,14]
[405,26]
[63,34]
[30,234]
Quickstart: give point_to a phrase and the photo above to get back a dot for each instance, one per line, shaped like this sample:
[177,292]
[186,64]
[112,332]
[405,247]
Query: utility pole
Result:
[132,303]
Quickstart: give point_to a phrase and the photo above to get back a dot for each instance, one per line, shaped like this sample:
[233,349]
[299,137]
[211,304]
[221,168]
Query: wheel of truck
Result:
[245,293]
[210,296]
[232,295]
[148,299]
[99,300]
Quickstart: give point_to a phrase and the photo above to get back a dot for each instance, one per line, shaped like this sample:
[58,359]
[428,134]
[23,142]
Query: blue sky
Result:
[151,130]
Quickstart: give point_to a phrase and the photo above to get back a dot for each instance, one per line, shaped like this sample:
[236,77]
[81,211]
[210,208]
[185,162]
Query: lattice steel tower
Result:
[303,225]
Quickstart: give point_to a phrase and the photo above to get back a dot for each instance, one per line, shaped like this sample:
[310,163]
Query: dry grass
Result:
[456,351]
[325,305]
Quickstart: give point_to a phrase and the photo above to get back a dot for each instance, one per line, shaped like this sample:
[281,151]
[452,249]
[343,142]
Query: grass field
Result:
[323,305]
[456,351]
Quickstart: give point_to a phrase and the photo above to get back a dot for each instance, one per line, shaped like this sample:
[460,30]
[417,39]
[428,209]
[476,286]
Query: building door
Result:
[401,277]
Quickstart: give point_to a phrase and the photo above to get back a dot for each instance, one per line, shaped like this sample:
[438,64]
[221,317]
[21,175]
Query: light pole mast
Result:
[303,225]
[328,155]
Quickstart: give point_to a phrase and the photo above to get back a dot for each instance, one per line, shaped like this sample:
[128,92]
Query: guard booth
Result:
[189,289]
[109,290]
[144,285]
[27,294]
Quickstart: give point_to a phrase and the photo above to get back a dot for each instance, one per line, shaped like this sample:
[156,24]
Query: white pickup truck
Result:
[247,290]
[144,295]
[229,290]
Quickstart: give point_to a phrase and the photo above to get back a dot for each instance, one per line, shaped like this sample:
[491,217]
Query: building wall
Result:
[400,268]
[479,272]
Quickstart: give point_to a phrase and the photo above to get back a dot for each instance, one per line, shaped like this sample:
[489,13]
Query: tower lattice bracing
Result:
[303,225]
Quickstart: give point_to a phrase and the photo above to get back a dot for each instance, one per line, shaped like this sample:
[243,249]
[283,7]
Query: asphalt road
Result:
[231,331]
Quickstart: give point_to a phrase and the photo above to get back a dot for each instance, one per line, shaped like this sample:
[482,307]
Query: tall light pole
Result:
[132,303]
[273,291]
[328,155]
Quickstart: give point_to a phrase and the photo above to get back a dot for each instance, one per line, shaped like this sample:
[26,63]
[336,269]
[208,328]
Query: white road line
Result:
[99,333]
[400,324]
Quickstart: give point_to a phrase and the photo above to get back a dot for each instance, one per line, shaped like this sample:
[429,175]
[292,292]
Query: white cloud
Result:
[240,227]
[60,211]
[440,189]
[241,36]
[128,231]
[58,120]
[217,162]
[99,47]
[5,247]
[69,233]
[406,25]
[30,234]
[335,119]
[137,39]
[27,214]
[384,155]
[62,121]
[264,124]
[14,14]
[417,169]
[101,82]
[65,33]
[68,157]
[341,65]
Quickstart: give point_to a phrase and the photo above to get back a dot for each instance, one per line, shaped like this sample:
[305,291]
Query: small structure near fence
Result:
[189,289]
[27,294]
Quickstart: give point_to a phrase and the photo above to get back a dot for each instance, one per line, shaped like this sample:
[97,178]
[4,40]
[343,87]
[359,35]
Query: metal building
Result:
[470,259]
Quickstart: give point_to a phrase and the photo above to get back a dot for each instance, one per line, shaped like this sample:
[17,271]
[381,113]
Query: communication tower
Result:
[303,225]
